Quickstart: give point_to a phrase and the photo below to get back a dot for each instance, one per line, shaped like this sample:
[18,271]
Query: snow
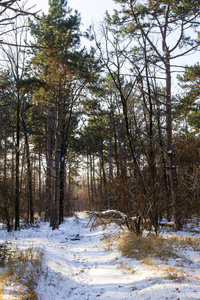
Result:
[77,266]
[169,152]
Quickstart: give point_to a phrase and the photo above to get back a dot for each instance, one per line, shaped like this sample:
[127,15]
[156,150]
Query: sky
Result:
[91,11]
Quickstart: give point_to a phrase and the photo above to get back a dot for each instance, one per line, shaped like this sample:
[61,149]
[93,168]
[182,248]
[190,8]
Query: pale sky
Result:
[90,10]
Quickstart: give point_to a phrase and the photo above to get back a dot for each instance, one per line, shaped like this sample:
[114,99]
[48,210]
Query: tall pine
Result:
[66,69]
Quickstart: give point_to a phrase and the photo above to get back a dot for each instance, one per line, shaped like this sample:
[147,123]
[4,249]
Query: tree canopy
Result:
[102,126]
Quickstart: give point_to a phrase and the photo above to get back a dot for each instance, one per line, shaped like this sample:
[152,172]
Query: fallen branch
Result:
[105,218]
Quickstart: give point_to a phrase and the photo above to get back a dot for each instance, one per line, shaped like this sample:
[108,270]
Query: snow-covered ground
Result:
[77,267]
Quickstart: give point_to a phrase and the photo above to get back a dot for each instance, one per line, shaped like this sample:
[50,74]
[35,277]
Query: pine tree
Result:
[66,69]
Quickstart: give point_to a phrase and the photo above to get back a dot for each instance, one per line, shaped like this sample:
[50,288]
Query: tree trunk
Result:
[40,181]
[91,182]
[122,167]
[49,166]
[169,148]
[68,188]
[110,158]
[62,188]
[94,179]
[29,170]
[116,152]
[0,127]
[55,220]
[88,183]
[7,210]
[5,150]
[64,143]
[17,164]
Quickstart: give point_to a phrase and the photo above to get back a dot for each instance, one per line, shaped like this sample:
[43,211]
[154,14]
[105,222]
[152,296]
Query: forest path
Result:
[77,266]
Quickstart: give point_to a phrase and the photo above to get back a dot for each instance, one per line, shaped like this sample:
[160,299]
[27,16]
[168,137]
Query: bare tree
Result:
[14,33]
[157,23]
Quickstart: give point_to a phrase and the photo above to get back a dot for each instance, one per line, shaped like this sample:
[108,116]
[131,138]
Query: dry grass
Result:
[143,248]
[109,240]
[149,262]
[125,267]
[152,246]
[19,273]
[154,252]
[172,273]
[185,242]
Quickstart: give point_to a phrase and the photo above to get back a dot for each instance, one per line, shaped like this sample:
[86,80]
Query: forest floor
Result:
[80,263]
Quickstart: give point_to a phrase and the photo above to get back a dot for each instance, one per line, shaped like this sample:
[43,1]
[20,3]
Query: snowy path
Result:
[78,268]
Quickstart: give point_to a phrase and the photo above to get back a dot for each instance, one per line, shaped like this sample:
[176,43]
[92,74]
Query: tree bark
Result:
[17,163]
[55,216]
[40,181]
[64,144]
[122,167]
[88,182]
[5,150]
[91,182]
[169,148]
[29,169]
[49,166]
[62,188]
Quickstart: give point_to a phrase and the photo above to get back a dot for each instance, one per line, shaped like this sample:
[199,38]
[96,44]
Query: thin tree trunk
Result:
[55,220]
[49,166]
[100,181]
[5,150]
[163,166]
[93,176]
[110,158]
[88,182]
[0,127]
[104,174]
[91,182]
[29,169]
[17,164]
[62,188]
[7,211]
[64,143]
[68,191]
[122,168]
[116,152]
[34,173]
[40,181]
[170,153]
